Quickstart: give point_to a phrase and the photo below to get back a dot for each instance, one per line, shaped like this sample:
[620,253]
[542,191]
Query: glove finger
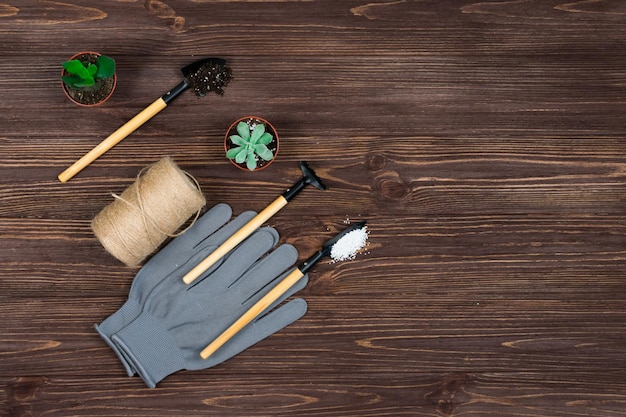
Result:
[278,319]
[255,332]
[165,260]
[254,283]
[302,282]
[203,249]
[206,225]
[237,261]
[170,293]
[220,236]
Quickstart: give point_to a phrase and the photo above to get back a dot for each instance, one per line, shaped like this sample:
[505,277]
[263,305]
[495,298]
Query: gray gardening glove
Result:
[180,320]
[206,234]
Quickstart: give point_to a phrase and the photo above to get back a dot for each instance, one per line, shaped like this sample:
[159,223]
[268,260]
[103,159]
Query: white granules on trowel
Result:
[348,246]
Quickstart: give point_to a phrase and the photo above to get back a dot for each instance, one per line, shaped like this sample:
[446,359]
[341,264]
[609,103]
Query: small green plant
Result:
[251,142]
[83,74]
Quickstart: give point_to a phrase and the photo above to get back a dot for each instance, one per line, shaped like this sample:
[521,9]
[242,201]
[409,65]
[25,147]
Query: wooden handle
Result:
[235,239]
[254,311]
[113,139]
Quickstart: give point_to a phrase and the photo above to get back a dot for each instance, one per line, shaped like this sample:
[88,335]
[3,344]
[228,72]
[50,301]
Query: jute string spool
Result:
[149,211]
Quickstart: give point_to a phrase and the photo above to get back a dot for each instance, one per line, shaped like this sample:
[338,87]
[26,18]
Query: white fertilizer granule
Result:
[348,246]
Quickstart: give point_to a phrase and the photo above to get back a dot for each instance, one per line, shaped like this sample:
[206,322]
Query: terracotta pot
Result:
[251,121]
[96,95]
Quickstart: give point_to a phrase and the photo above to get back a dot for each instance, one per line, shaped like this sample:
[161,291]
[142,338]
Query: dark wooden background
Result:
[483,141]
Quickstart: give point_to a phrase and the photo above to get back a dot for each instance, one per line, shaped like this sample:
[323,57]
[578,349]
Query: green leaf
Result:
[241,156]
[244,130]
[79,75]
[75,67]
[265,139]
[71,80]
[106,67]
[87,82]
[74,81]
[232,152]
[251,162]
[92,69]
[238,140]
[257,133]
[263,151]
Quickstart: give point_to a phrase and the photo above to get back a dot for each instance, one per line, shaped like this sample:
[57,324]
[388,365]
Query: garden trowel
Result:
[204,75]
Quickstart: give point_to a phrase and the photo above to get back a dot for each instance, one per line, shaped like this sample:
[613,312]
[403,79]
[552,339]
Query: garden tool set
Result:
[170,322]
[220,286]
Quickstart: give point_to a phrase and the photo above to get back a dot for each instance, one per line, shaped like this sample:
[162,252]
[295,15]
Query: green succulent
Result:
[250,143]
[84,74]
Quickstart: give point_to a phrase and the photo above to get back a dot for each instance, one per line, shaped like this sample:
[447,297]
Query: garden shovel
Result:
[275,293]
[204,75]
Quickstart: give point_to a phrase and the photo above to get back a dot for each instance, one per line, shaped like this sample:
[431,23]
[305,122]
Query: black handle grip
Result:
[175,92]
[311,262]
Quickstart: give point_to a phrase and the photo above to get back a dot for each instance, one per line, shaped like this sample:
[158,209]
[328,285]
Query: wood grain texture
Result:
[484,142]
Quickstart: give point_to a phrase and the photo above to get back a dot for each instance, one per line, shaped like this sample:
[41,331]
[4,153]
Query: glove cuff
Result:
[150,348]
[116,322]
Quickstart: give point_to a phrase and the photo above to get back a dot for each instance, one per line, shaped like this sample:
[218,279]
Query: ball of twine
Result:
[149,211]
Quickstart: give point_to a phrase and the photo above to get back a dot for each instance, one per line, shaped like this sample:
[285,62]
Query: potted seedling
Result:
[88,78]
[251,143]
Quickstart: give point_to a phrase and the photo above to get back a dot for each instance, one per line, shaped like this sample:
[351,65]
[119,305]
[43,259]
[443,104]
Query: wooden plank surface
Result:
[484,142]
